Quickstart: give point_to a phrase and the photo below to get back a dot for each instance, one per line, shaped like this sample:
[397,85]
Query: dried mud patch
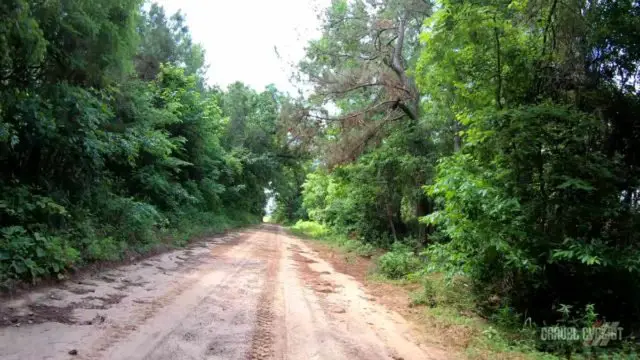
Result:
[98,302]
[37,314]
[126,283]
[107,279]
[222,247]
[302,259]
[311,276]
[79,290]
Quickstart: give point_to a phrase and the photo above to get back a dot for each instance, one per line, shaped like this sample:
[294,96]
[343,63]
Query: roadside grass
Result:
[200,225]
[315,231]
[312,230]
[445,309]
[449,304]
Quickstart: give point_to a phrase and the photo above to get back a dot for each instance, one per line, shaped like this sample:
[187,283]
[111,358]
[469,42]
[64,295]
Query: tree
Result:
[536,205]
[361,66]
[166,41]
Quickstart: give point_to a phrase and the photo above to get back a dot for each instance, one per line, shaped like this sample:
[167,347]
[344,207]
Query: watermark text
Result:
[598,335]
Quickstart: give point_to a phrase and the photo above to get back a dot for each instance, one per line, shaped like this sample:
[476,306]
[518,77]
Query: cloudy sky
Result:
[240,37]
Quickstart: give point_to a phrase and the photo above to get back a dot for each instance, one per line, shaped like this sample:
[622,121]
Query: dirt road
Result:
[254,294]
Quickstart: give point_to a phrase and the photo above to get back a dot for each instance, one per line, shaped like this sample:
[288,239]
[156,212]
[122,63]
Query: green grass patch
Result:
[310,229]
[448,306]
[316,231]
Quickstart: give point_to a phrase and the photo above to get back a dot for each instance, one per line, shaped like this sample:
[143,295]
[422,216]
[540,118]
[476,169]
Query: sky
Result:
[240,37]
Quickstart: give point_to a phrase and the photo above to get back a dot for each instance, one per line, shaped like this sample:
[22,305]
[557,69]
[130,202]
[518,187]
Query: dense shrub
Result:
[105,249]
[33,255]
[539,207]
[399,262]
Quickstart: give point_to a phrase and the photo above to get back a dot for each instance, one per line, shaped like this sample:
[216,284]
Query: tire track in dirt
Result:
[262,342]
[214,327]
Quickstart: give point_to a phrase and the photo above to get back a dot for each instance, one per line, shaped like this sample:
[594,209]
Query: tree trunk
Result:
[391,224]
[457,140]
[423,208]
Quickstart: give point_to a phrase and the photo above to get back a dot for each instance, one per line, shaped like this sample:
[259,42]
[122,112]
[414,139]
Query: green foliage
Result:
[425,296]
[439,291]
[30,256]
[110,141]
[314,230]
[166,40]
[376,199]
[105,249]
[310,228]
[399,262]
[135,221]
[537,207]
[288,197]
[365,250]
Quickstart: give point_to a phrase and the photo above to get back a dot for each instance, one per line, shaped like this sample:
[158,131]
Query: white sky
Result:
[239,37]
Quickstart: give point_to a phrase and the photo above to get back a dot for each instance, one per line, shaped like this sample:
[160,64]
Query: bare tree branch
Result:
[355,114]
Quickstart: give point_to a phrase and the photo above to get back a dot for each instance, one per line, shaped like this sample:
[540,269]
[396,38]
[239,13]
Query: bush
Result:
[426,296]
[29,256]
[399,262]
[310,228]
[106,249]
[135,221]
[355,246]
[520,232]
[198,223]
[365,250]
